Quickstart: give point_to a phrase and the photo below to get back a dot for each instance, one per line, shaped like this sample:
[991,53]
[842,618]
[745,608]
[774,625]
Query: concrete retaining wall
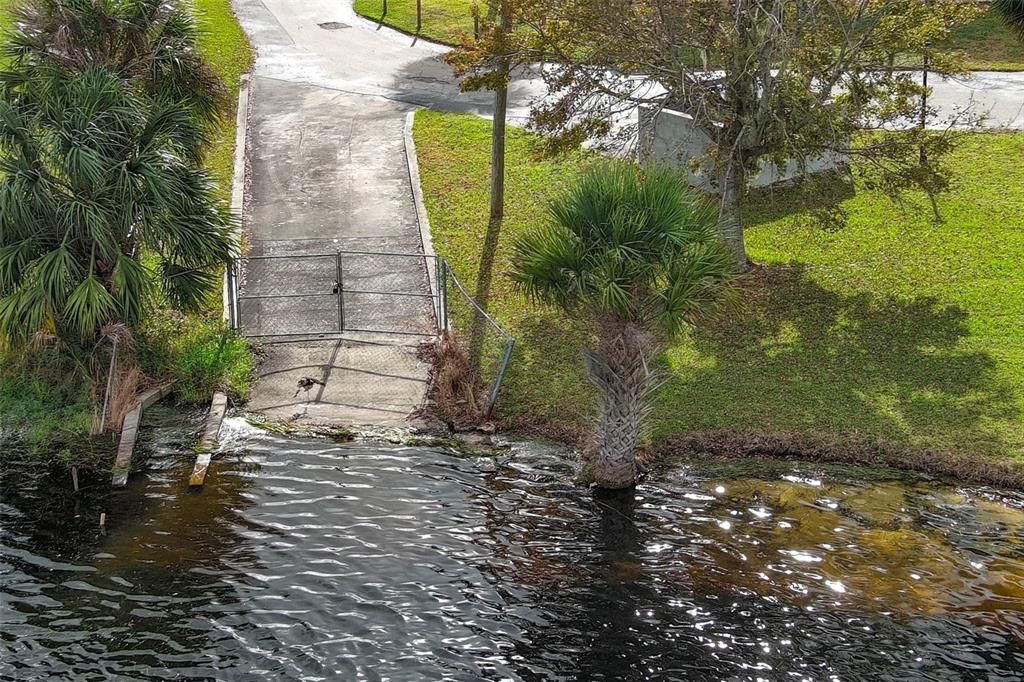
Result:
[238,188]
[671,137]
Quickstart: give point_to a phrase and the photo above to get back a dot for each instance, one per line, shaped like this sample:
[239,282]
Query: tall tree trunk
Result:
[498,154]
[732,180]
[619,368]
[485,274]
[497,213]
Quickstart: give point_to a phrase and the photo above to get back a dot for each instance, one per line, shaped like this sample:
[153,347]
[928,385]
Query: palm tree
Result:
[152,44]
[1012,12]
[640,256]
[102,202]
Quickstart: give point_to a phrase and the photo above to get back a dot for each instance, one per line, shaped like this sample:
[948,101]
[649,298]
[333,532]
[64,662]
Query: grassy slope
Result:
[227,47]
[892,327]
[443,20]
[989,45]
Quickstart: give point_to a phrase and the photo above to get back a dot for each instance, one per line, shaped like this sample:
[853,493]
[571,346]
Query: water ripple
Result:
[305,560]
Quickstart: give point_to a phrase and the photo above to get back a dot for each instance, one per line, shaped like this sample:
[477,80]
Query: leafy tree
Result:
[639,256]
[765,80]
[494,74]
[101,203]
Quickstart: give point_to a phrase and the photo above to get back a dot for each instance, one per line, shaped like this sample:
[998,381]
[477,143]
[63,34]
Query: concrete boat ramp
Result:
[331,281]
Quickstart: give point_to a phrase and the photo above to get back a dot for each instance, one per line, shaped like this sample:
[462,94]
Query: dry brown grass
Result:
[124,395]
[456,392]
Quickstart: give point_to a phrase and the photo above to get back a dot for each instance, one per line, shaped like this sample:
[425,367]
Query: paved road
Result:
[367,59]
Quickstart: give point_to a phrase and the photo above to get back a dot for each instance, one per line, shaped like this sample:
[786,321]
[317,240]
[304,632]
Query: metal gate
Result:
[324,295]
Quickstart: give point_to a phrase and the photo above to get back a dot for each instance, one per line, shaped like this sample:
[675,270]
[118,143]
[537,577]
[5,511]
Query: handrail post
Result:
[501,375]
[443,295]
[341,293]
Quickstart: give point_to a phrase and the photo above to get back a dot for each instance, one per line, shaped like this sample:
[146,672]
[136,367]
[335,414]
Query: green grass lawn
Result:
[444,21]
[989,45]
[231,55]
[893,327]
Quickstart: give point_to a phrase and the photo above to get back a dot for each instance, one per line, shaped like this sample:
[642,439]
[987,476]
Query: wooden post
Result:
[476,27]
[110,386]
[74,477]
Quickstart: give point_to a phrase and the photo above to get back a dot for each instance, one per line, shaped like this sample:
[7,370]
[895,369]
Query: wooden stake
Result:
[74,477]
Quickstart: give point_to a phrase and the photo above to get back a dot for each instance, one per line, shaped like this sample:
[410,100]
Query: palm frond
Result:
[89,307]
[187,287]
[1012,12]
[626,242]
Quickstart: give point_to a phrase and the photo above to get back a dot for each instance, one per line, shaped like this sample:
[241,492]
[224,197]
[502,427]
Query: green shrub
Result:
[43,400]
[200,355]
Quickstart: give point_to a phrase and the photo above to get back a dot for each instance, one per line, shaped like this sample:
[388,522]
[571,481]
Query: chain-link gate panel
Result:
[330,294]
[294,295]
[389,293]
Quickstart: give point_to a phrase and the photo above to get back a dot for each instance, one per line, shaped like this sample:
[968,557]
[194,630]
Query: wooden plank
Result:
[129,432]
[209,441]
[199,472]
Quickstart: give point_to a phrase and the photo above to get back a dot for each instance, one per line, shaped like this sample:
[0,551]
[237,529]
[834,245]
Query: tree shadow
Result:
[818,198]
[805,357]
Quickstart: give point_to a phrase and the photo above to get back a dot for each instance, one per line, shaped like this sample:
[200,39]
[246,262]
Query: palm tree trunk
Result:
[619,369]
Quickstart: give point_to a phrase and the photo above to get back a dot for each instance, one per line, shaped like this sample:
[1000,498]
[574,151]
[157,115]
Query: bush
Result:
[43,399]
[200,355]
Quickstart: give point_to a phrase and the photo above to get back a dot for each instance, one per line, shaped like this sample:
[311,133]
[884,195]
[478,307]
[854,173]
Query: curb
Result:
[422,219]
[129,432]
[218,406]
[238,182]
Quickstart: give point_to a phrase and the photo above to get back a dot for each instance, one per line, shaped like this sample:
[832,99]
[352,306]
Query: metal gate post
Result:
[442,294]
[509,346]
[234,314]
[341,294]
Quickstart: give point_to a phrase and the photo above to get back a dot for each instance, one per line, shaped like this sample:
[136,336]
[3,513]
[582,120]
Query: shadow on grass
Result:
[803,357]
[818,197]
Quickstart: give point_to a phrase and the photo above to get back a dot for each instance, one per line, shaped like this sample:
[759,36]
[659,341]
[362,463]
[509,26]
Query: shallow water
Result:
[308,560]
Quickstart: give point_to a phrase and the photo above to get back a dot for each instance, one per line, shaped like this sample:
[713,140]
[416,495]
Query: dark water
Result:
[303,560]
